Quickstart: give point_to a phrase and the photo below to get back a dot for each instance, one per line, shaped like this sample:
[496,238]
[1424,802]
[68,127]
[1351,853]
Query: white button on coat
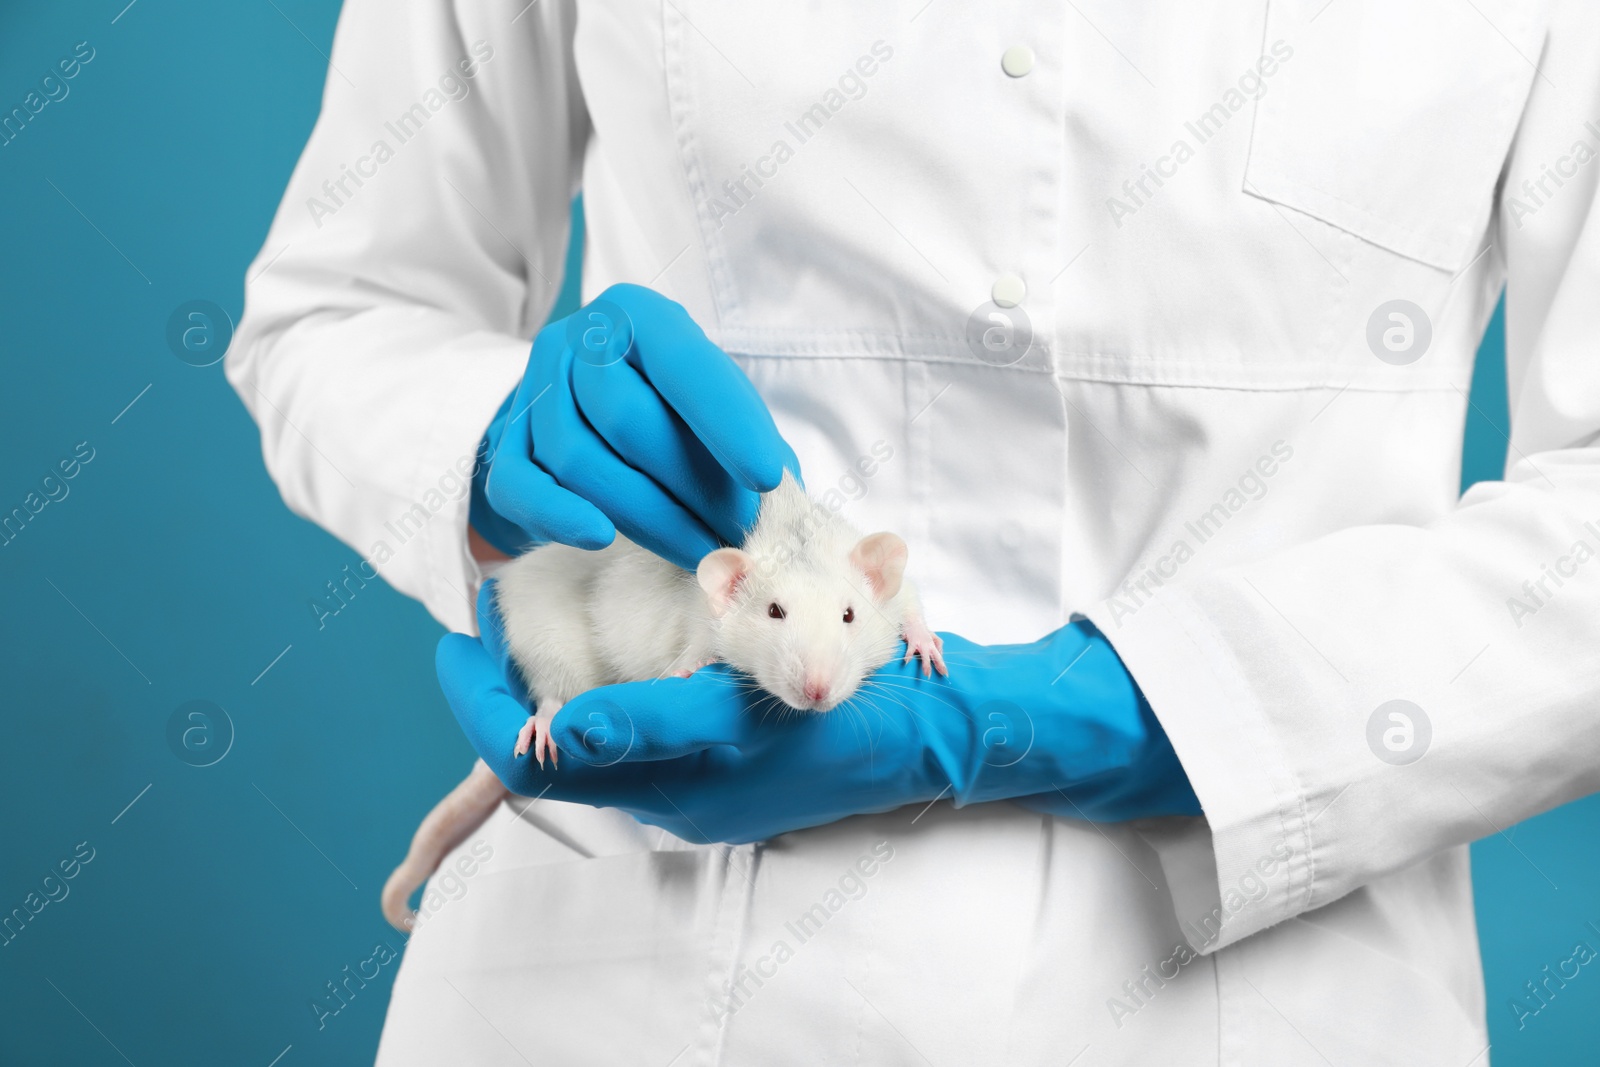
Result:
[1017,60]
[1008,291]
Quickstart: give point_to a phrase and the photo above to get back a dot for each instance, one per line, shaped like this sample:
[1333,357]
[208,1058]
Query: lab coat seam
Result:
[1256,104]
[1263,387]
[1065,611]
[1210,373]
[1048,218]
[885,357]
[916,377]
[721,279]
[861,1007]
[1433,383]
[777,342]
[1077,374]
[1042,868]
[740,934]
[1220,1002]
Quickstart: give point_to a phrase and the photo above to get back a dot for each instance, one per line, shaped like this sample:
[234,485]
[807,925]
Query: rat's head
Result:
[808,624]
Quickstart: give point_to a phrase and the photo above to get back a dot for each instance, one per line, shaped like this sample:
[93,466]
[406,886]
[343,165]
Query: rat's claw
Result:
[543,745]
[525,737]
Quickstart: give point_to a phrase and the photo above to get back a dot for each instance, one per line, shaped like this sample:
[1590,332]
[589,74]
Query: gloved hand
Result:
[627,418]
[1057,723]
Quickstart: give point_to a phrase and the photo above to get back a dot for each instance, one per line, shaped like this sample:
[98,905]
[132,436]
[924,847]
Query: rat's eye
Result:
[774,611]
[849,614]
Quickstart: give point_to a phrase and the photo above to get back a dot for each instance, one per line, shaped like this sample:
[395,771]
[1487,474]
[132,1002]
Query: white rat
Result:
[807,609]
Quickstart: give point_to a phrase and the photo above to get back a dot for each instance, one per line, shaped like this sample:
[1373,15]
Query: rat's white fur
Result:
[575,620]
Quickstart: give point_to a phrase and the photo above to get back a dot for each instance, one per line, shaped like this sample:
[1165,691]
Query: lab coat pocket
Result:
[1391,119]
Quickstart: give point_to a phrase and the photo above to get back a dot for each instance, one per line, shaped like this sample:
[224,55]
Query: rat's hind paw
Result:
[535,738]
[923,642]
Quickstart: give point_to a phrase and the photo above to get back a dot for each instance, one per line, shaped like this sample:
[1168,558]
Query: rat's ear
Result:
[720,573]
[882,558]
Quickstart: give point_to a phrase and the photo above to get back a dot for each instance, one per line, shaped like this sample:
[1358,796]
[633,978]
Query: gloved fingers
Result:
[518,488]
[582,463]
[643,512]
[665,719]
[522,492]
[706,388]
[642,429]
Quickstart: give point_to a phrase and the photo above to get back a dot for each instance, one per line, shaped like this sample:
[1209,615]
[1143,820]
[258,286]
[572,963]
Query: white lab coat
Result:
[1201,452]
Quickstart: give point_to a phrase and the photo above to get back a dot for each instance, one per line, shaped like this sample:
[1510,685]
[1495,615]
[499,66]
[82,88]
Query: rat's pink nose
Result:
[816,689]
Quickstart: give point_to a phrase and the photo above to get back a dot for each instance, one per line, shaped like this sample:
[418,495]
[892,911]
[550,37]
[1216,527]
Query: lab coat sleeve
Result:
[418,247]
[1268,676]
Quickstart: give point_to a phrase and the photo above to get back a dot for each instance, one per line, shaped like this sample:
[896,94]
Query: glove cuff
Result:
[1068,727]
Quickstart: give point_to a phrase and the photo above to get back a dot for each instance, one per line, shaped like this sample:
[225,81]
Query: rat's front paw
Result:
[923,642]
[687,671]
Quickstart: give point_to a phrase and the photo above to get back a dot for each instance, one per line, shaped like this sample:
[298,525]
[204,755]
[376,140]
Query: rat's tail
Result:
[451,822]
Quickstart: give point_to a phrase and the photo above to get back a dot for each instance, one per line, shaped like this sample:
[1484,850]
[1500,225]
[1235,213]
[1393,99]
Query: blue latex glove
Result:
[1057,723]
[628,418]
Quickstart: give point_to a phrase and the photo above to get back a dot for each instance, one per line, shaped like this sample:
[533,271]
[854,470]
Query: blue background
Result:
[220,902]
